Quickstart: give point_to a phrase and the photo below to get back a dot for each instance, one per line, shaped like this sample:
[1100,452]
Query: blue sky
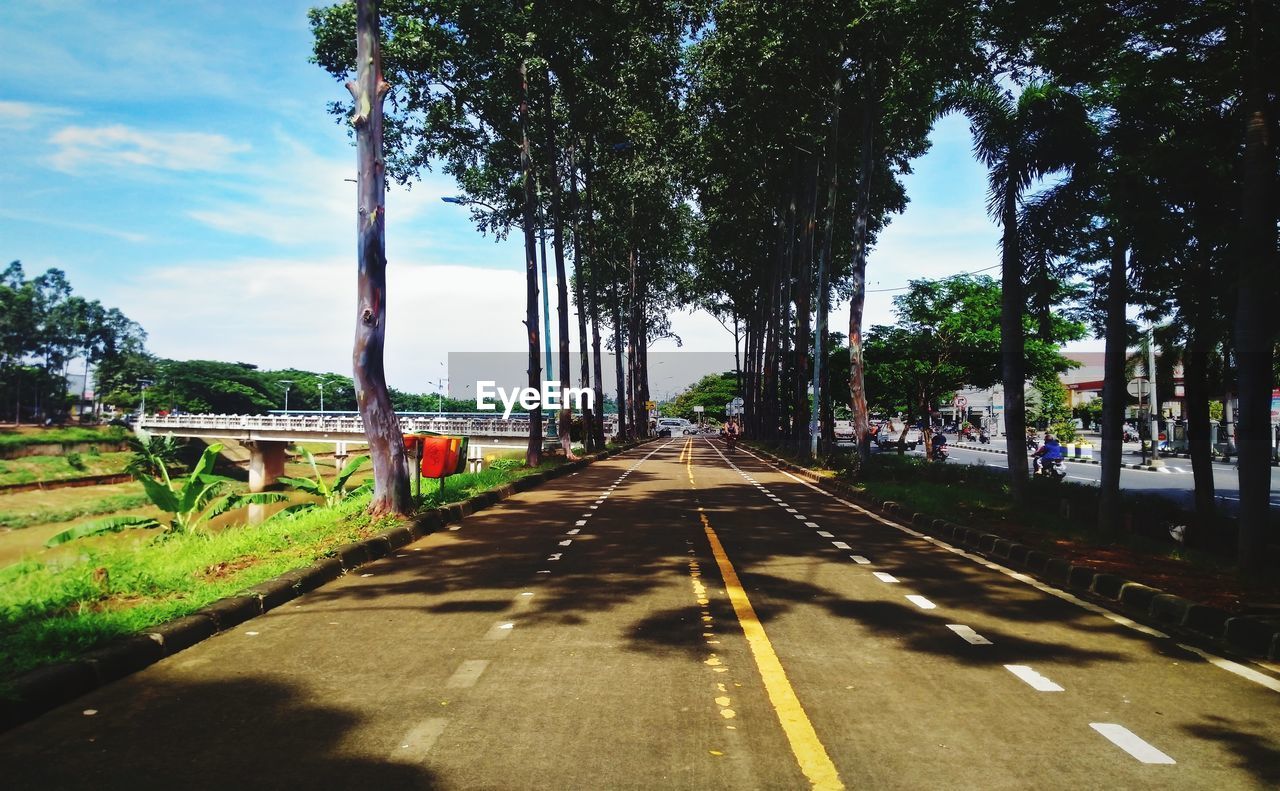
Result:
[176,160]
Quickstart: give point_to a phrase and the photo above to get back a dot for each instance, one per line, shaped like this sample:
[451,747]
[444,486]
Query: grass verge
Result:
[46,516]
[10,438]
[30,469]
[51,612]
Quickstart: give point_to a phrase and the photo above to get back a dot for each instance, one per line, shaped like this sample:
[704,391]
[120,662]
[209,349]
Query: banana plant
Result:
[333,492]
[190,501]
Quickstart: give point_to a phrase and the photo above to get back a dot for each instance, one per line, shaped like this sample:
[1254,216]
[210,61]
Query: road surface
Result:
[671,618]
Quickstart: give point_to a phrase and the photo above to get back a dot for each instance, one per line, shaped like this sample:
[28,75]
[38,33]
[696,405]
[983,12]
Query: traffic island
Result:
[1244,635]
[37,691]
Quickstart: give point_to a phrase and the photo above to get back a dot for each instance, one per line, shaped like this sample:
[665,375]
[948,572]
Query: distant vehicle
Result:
[844,429]
[675,427]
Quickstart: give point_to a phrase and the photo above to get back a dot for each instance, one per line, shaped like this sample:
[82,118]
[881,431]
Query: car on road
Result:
[843,429]
[675,427]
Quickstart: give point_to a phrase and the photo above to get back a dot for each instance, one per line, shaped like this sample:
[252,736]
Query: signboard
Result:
[960,402]
[650,405]
[698,409]
[1275,406]
[1138,387]
[737,403]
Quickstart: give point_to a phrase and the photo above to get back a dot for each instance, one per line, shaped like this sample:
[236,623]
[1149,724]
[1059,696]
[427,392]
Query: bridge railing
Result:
[335,424]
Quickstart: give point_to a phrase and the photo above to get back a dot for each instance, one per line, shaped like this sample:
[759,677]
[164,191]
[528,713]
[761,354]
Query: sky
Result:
[177,161]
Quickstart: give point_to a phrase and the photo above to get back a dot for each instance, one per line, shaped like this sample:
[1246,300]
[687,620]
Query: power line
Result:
[934,280]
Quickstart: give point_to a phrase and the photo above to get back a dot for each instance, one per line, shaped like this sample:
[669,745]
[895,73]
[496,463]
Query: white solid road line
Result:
[1037,681]
[921,602]
[1126,740]
[883,577]
[971,637]
[1235,667]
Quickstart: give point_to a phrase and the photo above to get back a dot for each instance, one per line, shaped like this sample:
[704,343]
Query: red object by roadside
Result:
[439,456]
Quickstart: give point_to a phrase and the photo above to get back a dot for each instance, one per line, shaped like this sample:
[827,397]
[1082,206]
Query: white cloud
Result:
[102,230]
[25,115]
[117,145]
[304,198]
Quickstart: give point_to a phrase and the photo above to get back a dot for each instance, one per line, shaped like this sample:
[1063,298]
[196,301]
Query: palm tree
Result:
[1019,140]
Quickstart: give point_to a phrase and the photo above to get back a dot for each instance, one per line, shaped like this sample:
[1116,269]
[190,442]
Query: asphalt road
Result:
[672,618]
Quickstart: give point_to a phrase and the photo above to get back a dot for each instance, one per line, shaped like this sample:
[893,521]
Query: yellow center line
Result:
[810,754]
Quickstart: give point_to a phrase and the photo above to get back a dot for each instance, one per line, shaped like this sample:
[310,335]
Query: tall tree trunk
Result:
[1196,373]
[564,421]
[533,453]
[1255,319]
[1114,395]
[594,268]
[619,350]
[382,429]
[858,276]
[821,396]
[1013,364]
[804,299]
[579,277]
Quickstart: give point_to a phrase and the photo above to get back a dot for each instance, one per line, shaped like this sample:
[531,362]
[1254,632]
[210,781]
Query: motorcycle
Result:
[730,441]
[984,437]
[1053,469]
[940,453]
[1033,444]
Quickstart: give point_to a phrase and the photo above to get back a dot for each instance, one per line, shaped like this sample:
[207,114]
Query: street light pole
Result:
[287,384]
[143,384]
[320,384]
[1153,402]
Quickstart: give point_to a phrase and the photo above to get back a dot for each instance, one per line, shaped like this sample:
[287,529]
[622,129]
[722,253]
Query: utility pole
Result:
[1153,402]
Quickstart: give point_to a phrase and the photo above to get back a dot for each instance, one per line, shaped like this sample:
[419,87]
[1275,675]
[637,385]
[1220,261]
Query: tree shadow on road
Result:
[1256,753]
[241,732]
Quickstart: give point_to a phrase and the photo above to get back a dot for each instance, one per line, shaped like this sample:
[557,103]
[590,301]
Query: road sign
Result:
[737,403]
[650,405]
[961,402]
[1138,387]
[698,409]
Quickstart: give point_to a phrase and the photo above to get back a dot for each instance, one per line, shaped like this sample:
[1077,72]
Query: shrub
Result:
[74,461]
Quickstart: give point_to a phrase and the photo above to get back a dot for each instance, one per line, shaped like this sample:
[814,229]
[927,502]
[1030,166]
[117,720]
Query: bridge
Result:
[267,436]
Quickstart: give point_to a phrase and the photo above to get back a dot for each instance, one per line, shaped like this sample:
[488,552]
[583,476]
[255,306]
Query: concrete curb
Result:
[1247,635]
[45,688]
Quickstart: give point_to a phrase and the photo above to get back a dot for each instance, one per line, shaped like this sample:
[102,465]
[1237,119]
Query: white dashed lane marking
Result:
[418,741]
[859,559]
[1037,681]
[840,545]
[1126,740]
[921,602]
[883,577]
[825,534]
[499,630]
[970,636]
[467,674]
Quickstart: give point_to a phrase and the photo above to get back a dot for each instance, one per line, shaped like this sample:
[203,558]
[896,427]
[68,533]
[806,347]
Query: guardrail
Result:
[344,424]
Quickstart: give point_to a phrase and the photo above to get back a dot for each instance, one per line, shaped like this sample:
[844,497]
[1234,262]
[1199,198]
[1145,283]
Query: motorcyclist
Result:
[938,443]
[1050,451]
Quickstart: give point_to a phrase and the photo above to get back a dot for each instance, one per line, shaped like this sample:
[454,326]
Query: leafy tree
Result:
[712,392]
[948,336]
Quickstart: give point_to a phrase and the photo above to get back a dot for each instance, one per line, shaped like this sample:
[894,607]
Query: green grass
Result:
[20,439]
[30,469]
[53,515]
[52,611]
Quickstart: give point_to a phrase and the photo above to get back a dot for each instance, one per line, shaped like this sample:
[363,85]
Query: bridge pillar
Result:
[266,463]
[340,455]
